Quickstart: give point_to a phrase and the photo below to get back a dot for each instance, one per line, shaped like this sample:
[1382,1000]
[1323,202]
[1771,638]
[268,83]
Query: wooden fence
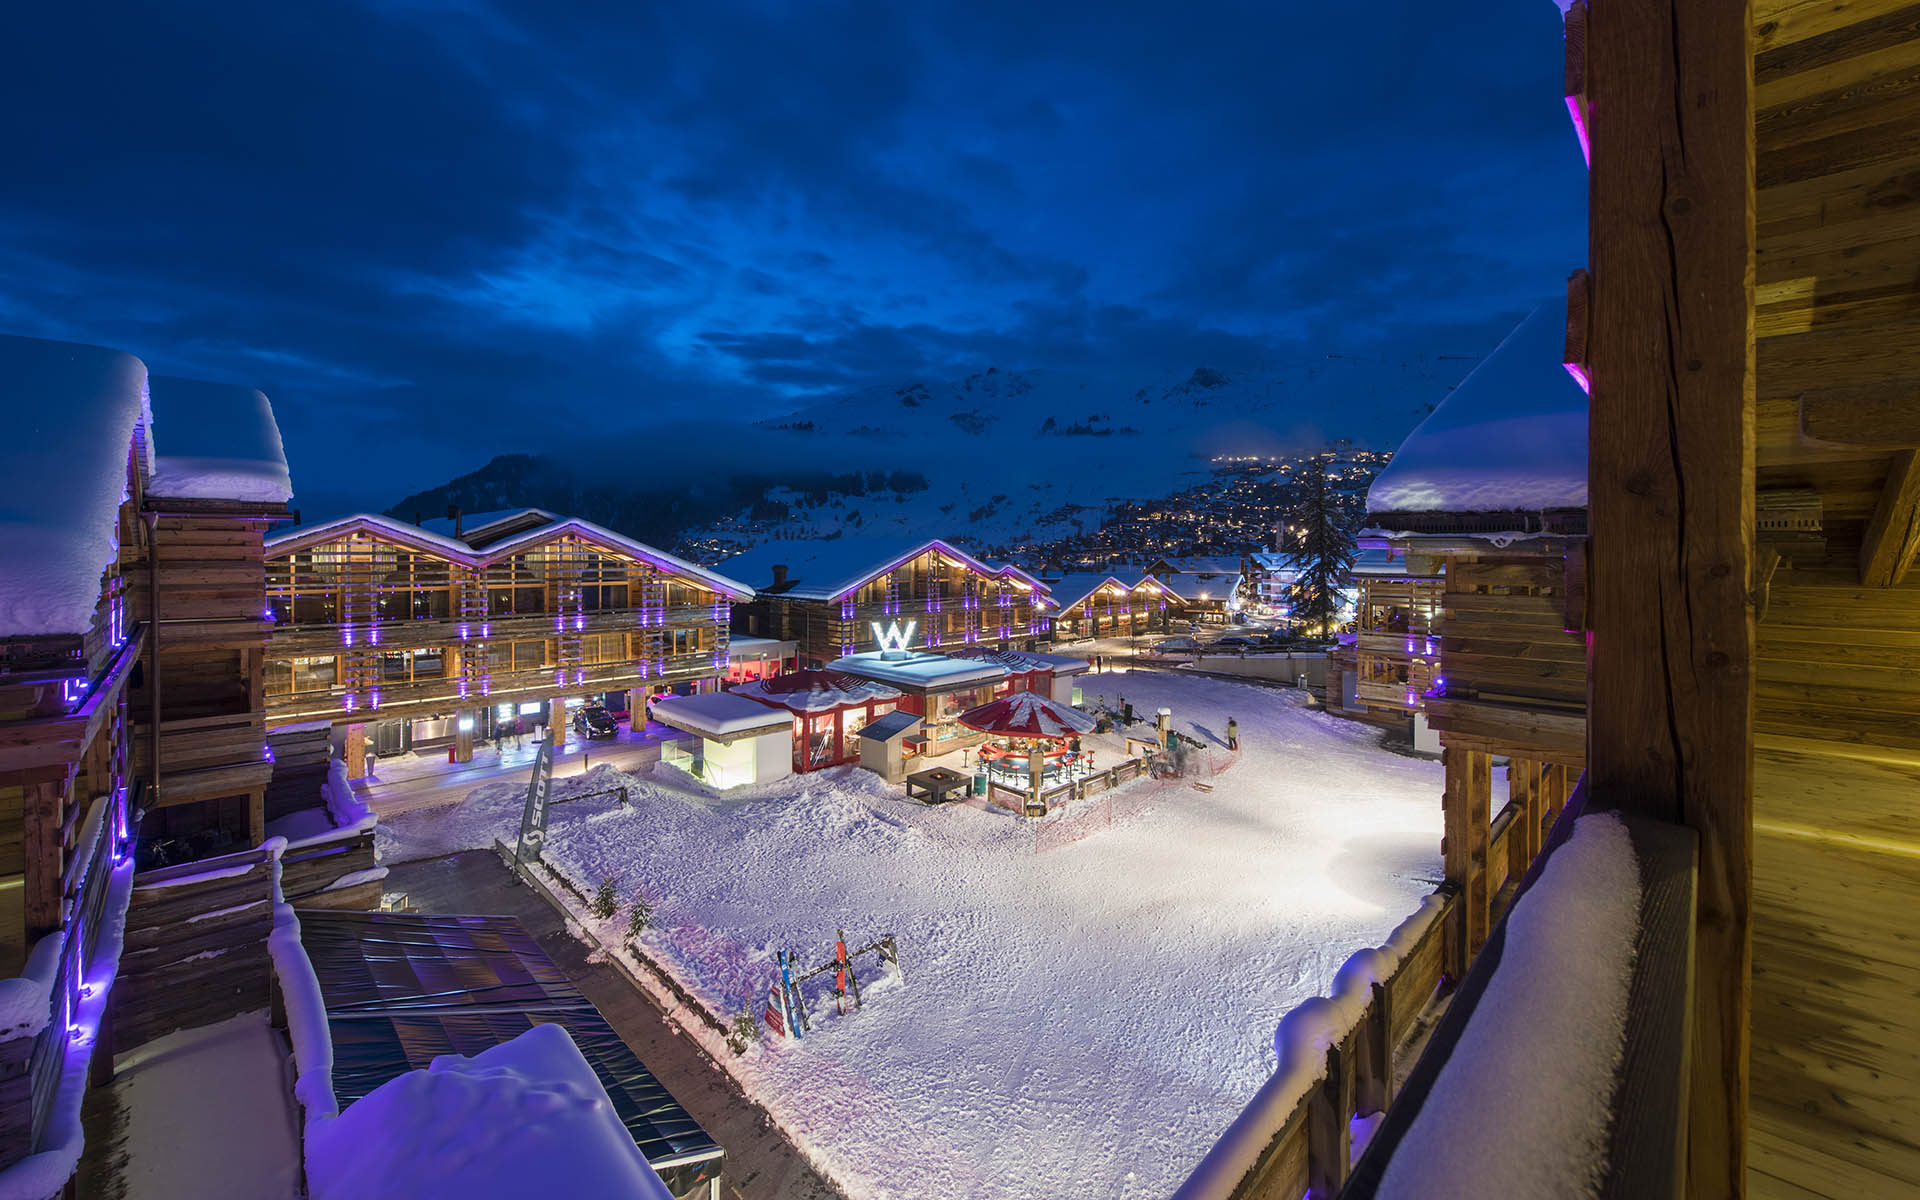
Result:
[1337,1059]
[196,945]
[332,871]
[1019,799]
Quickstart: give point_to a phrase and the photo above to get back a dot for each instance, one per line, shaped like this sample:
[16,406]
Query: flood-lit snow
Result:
[1082,1021]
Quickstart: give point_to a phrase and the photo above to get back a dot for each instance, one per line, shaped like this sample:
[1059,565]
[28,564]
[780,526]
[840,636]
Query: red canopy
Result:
[815,691]
[1028,715]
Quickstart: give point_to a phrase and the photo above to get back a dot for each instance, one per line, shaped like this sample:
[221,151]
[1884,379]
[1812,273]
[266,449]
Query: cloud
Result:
[448,228]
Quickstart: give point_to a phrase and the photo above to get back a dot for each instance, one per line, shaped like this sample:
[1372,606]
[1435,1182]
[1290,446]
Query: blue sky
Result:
[437,230]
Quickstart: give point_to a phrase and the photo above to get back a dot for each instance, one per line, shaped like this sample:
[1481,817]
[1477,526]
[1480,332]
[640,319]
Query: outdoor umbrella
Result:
[1032,716]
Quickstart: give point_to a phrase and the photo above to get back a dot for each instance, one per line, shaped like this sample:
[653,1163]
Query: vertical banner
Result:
[533,820]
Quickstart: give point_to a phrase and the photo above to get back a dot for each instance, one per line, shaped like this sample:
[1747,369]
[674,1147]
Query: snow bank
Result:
[1522,1106]
[216,441]
[1511,437]
[26,1001]
[348,810]
[306,1018]
[1300,1045]
[71,411]
[524,1118]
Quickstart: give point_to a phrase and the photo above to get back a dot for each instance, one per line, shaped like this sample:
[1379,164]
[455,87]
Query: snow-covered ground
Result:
[1079,1022]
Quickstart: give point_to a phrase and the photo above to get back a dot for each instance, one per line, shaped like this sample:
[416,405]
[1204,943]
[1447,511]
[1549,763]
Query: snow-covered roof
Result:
[72,411]
[526,1117]
[1512,437]
[1023,661]
[1202,587]
[1073,590]
[1028,714]
[722,716]
[1268,560]
[828,568]
[460,552]
[919,671]
[1376,562]
[620,542]
[815,691]
[216,441]
[472,523]
[1204,566]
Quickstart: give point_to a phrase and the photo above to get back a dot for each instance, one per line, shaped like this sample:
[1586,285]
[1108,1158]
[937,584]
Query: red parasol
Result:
[1028,715]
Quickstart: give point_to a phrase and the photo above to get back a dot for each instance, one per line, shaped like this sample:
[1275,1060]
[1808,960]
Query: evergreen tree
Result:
[1319,545]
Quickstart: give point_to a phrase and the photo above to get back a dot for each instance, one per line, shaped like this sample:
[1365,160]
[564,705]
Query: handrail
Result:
[1646,1148]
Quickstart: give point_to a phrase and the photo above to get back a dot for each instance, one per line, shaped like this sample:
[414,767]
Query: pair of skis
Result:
[785,1001]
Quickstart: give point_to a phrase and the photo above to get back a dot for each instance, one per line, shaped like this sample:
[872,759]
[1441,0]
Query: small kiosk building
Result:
[829,710]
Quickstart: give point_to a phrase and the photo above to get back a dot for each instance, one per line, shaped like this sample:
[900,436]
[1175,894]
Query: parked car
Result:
[594,721]
[1176,645]
[1236,641]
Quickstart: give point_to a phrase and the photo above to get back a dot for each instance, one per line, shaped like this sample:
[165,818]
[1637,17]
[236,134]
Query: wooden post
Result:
[1524,792]
[256,816]
[1671,490]
[1329,1137]
[557,723]
[463,722]
[1553,796]
[1464,848]
[356,752]
[43,855]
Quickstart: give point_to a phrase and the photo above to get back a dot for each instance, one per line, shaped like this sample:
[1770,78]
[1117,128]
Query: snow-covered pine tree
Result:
[1320,545]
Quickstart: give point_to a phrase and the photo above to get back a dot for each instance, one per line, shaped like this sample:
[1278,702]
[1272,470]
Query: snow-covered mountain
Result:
[999,457]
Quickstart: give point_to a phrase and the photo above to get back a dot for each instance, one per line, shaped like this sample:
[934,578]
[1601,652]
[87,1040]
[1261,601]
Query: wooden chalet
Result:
[416,638]
[1205,590]
[837,597]
[1120,604]
[135,770]
[1382,671]
[1747,326]
[1489,494]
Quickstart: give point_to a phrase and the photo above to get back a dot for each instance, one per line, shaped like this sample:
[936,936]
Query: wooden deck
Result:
[1835,1108]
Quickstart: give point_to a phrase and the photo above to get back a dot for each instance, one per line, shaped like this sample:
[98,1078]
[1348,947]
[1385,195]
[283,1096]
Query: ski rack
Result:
[787,987]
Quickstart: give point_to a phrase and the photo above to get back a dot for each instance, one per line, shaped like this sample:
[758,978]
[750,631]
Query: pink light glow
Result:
[1580,129]
[1580,376]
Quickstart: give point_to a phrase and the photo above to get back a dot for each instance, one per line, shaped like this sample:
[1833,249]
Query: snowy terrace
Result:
[1083,1002]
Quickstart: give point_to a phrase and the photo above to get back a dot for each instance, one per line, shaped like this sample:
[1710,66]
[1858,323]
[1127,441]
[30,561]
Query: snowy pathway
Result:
[1081,1022]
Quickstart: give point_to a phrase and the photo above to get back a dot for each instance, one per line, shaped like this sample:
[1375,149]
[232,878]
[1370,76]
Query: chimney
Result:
[779,574]
[453,514]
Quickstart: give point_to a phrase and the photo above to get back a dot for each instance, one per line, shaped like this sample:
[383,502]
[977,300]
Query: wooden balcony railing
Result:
[1337,1054]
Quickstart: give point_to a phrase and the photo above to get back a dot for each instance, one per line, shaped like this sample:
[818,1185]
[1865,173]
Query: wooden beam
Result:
[1894,533]
[1576,76]
[1574,355]
[1876,416]
[1671,490]
[1466,814]
[42,809]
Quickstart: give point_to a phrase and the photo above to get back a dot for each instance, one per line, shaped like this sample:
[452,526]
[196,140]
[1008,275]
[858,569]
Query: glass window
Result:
[314,674]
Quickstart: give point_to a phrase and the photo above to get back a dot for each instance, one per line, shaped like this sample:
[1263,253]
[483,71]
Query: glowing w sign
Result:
[892,637]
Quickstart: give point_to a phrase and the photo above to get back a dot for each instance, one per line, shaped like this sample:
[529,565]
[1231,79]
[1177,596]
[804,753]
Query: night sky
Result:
[437,231]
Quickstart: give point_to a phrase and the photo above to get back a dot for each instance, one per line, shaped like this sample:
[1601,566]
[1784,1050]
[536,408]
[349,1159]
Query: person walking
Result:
[1233,734]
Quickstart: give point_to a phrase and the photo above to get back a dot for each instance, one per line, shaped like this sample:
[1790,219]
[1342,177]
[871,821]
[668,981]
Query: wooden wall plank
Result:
[1894,533]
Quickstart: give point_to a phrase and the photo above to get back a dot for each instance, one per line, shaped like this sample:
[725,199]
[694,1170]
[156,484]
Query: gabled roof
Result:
[1071,591]
[1202,587]
[1204,566]
[828,568]
[216,441]
[1511,438]
[460,552]
[497,527]
[72,411]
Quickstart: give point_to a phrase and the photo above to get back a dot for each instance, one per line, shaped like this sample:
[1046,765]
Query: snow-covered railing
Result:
[1560,1067]
[52,1014]
[1334,1072]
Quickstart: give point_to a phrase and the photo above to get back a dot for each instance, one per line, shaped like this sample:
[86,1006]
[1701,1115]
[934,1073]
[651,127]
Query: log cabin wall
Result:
[1511,683]
[1836,826]
[1394,645]
[369,626]
[211,628]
